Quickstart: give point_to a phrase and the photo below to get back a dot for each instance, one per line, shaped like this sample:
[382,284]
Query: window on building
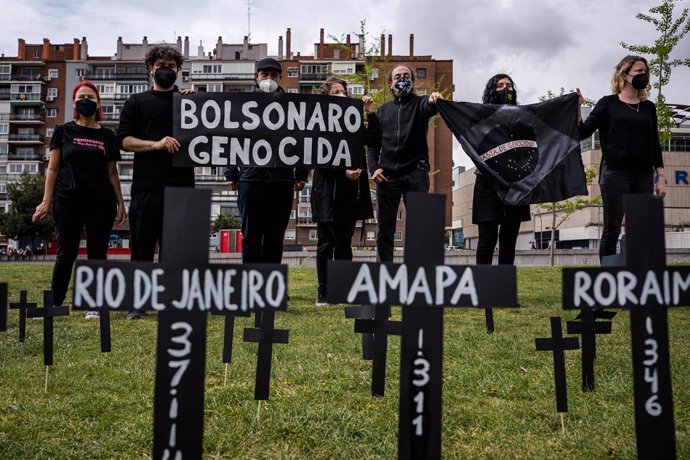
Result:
[293,90]
[52,73]
[4,149]
[5,69]
[421,73]
[212,68]
[305,194]
[399,215]
[421,91]
[290,234]
[371,236]
[374,74]
[37,53]
[357,90]
[52,93]
[51,112]
[397,236]
[4,128]
[50,132]
[18,168]
[214,88]
[292,214]
[79,72]
[104,89]
[292,72]
[312,234]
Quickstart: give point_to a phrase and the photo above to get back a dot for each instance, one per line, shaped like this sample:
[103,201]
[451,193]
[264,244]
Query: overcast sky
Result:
[542,44]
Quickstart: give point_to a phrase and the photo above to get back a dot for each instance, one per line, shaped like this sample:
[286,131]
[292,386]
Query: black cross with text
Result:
[423,286]
[183,287]
[647,287]
[22,306]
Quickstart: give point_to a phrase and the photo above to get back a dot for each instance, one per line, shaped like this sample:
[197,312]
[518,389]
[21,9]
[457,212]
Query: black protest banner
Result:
[530,153]
[268,130]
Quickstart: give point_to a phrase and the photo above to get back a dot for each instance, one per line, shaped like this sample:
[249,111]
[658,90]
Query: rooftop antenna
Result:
[249,17]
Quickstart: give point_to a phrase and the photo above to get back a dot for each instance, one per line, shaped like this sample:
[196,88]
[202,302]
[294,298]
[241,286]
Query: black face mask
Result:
[165,77]
[86,107]
[640,81]
[504,96]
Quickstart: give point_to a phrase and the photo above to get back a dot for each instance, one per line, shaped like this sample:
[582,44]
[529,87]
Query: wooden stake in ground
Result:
[22,306]
[48,312]
[558,344]
[642,283]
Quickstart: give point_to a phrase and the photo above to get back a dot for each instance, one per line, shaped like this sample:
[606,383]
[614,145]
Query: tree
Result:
[560,211]
[25,195]
[671,31]
[223,222]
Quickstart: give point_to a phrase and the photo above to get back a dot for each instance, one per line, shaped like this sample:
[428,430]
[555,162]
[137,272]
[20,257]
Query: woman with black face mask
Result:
[631,152]
[496,221]
[82,187]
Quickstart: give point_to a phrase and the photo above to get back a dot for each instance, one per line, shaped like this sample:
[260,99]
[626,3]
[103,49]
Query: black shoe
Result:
[136,314]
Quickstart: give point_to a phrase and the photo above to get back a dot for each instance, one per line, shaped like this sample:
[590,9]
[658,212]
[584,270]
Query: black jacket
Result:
[254,174]
[400,144]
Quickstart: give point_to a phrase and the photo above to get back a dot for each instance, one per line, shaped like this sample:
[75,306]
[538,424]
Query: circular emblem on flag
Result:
[511,151]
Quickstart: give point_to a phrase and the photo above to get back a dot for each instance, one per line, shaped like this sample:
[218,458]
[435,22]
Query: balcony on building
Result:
[23,98]
[135,73]
[34,138]
[24,118]
[21,155]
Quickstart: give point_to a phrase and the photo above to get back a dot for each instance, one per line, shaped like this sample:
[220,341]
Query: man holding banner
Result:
[398,157]
[146,128]
[265,194]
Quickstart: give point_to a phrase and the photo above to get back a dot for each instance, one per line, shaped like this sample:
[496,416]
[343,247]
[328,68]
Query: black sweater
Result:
[629,139]
[401,144]
[149,116]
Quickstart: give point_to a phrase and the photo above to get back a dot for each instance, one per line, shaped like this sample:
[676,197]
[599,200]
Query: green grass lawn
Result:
[498,394]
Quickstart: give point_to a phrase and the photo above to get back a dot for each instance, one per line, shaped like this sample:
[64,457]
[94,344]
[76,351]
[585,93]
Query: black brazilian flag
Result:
[531,152]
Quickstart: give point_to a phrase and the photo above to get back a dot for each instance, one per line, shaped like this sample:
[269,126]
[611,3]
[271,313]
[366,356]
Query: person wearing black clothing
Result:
[398,156]
[496,221]
[265,194]
[631,152]
[338,200]
[82,186]
[146,125]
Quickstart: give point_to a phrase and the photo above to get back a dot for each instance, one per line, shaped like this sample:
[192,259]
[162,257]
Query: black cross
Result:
[588,327]
[647,287]
[3,307]
[558,344]
[228,332]
[364,312]
[379,328]
[22,306]
[421,357]
[265,335]
[48,312]
[489,315]
[183,287]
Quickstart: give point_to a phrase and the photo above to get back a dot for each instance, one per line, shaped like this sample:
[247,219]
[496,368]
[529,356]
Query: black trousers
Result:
[506,236]
[146,224]
[615,184]
[388,195]
[335,243]
[71,217]
[265,209]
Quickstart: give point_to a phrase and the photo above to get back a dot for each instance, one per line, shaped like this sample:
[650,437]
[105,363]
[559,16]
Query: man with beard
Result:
[398,157]
[146,128]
